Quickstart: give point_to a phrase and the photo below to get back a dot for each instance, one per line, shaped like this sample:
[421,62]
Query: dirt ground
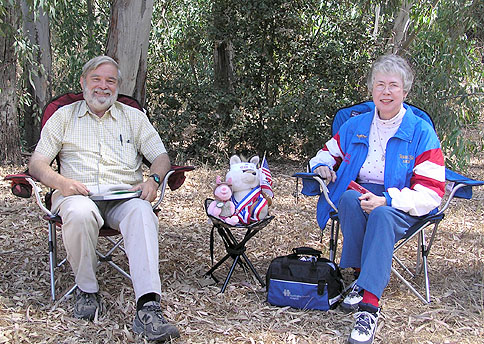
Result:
[241,314]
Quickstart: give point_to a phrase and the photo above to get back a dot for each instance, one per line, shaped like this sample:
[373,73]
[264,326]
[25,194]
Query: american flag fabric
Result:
[266,178]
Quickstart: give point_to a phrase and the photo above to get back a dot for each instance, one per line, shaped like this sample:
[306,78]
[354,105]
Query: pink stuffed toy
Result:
[223,208]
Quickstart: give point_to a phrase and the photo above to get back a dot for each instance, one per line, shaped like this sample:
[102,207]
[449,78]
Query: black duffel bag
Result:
[304,280]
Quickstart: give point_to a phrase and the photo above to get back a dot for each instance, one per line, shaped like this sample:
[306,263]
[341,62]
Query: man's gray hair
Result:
[392,64]
[95,62]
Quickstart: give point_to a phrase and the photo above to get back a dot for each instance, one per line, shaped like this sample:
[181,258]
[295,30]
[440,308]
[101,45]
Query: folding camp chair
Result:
[23,185]
[235,248]
[425,230]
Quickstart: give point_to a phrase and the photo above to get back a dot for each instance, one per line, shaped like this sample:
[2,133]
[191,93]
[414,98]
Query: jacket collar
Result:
[404,132]
[407,127]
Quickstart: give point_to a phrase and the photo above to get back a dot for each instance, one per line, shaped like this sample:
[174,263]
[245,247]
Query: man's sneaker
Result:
[365,324]
[352,299]
[150,323]
[86,305]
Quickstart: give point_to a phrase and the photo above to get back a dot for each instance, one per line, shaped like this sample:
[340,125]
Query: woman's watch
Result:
[156,178]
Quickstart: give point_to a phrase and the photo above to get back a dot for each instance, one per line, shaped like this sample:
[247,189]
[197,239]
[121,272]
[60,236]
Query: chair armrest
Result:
[309,176]
[19,185]
[174,178]
[23,185]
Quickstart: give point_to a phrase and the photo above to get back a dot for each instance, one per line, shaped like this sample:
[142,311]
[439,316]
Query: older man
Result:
[100,143]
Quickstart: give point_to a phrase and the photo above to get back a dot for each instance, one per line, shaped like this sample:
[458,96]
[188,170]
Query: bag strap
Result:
[309,251]
[211,243]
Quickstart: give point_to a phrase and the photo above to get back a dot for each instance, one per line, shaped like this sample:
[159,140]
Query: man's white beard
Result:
[99,103]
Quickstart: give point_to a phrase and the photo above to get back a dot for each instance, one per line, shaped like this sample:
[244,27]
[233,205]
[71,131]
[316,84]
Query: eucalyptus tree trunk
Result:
[128,38]
[9,126]
[401,27]
[37,73]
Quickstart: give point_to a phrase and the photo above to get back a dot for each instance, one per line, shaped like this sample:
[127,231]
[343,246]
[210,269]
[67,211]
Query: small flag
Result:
[266,178]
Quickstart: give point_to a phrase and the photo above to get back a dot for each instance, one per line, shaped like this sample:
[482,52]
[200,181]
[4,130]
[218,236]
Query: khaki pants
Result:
[134,218]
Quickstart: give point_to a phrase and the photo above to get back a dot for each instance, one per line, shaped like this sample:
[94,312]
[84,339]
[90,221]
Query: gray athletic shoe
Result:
[86,305]
[150,323]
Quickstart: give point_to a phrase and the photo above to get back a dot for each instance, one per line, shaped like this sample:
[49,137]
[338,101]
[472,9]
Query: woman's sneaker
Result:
[365,324]
[150,323]
[352,299]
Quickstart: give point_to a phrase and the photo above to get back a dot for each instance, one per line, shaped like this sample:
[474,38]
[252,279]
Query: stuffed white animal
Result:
[250,204]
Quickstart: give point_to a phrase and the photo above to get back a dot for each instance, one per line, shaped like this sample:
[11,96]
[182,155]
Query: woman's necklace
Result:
[383,150]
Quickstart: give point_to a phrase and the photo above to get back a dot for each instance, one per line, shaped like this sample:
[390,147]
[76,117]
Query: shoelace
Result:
[364,322]
[156,311]
[89,298]
[355,292]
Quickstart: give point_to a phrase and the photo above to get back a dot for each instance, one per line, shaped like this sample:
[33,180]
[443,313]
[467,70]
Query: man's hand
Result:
[161,165]
[70,187]
[370,201]
[39,168]
[148,189]
[326,173]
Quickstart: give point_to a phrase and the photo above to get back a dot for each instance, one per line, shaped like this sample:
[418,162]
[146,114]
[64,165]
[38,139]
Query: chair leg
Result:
[420,252]
[422,262]
[229,275]
[220,262]
[232,268]
[409,286]
[69,292]
[254,271]
[235,244]
[424,253]
[108,256]
[333,239]
[52,258]
[235,250]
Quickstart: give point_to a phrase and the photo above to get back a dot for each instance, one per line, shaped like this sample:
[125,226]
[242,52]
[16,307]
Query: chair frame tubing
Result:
[423,248]
[54,221]
[235,250]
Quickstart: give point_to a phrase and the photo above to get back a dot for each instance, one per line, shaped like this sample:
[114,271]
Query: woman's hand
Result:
[370,201]
[326,173]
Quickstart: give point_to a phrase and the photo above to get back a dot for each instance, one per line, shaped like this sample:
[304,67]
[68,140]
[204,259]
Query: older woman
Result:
[396,156]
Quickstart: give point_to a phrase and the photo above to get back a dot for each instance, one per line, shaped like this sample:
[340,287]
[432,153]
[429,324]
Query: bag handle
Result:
[309,251]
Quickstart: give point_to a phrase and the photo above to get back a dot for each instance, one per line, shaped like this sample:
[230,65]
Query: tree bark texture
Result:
[223,66]
[400,27]
[128,39]
[37,73]
[9,126]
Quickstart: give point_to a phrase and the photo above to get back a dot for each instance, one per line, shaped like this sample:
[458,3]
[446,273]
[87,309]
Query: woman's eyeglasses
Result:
[393,87]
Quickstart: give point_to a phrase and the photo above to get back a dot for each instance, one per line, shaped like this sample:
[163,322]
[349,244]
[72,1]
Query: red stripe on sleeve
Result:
[429,183]
[432,155]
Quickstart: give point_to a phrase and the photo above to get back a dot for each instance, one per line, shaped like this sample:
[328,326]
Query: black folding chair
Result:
[235,248]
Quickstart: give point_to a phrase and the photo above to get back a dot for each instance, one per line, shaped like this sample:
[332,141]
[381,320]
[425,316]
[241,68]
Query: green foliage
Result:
[450,77]
[76,37]
[291,73]
[295,63]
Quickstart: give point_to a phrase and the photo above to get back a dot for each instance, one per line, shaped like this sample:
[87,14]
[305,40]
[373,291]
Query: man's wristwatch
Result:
[156,178]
